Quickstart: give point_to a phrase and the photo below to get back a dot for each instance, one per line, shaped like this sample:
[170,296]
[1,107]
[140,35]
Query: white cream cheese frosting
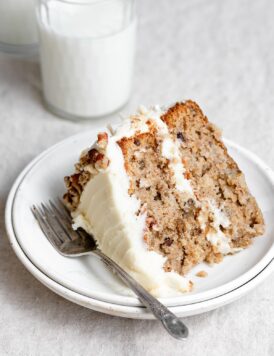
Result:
[215,235]
[218,238]
[108,212]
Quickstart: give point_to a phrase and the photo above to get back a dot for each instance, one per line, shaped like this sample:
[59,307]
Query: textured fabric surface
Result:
[219,53]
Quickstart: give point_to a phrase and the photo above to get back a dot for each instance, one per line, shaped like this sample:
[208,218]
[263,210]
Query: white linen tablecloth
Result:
[219,53]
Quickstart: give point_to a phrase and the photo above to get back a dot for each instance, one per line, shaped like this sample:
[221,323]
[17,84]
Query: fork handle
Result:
[170,321]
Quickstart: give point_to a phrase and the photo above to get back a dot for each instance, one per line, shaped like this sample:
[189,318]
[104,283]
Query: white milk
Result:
[18,22]
[86,58]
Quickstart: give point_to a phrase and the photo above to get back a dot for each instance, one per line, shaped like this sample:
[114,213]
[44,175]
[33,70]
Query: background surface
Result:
[219,53]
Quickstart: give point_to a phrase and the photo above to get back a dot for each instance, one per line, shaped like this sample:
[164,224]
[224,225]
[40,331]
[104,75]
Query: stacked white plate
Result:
[87,282]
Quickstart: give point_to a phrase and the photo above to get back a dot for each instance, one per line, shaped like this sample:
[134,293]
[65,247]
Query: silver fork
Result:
[56,223]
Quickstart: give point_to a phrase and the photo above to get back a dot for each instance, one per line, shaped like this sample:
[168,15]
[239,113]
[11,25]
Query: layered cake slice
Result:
[161,194]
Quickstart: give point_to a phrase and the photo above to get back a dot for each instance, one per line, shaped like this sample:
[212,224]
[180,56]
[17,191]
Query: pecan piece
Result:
[102,140]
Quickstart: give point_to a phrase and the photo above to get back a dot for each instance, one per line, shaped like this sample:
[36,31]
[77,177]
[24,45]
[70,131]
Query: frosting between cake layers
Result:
[217,238]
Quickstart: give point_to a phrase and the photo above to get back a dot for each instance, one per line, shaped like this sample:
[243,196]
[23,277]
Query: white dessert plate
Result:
[87,281]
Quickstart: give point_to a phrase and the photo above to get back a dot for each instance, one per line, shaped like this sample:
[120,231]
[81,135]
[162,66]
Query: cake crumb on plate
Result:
[201,274]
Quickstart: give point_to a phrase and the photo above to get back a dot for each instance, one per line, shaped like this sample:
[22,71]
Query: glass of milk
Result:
[18,29]
[86,52]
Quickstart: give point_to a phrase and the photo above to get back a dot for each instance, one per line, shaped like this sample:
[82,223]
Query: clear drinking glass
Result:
[87,53]
[18,29]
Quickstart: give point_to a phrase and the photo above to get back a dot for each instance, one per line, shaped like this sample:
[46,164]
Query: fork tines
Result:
[55,222]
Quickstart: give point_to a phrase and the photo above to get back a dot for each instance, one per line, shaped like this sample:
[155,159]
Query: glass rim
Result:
[47,23]
[81,2]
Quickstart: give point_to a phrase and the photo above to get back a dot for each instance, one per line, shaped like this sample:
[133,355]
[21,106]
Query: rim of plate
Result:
[133,301]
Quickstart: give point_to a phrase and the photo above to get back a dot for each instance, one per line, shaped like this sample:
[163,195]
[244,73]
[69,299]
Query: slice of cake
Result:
[161,194]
